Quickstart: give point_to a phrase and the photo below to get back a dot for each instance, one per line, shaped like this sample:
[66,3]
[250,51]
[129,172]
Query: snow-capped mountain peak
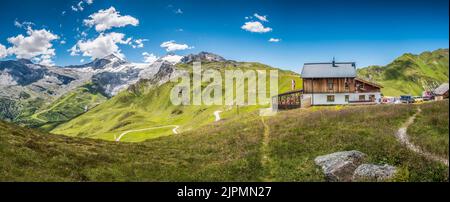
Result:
[110,61]
[202,56]
[114,58]
[25,61]
[171,58]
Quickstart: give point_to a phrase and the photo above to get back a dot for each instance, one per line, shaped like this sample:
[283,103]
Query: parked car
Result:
[428,98]
[417,99]
[406,99]
[387,100]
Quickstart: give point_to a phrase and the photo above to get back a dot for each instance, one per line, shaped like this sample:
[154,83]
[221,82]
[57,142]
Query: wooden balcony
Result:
[287,100]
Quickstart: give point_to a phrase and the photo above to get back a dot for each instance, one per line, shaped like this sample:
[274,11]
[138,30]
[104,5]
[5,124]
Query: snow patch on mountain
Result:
[111,74]
[173,59]
[202,57]
[7,80]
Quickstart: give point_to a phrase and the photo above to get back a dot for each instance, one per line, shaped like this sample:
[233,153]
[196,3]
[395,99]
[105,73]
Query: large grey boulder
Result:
[339,166]
[371,172]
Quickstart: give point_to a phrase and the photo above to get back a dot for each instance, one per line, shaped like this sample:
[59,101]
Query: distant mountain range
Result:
[410,74]
[27,88]
[35,94]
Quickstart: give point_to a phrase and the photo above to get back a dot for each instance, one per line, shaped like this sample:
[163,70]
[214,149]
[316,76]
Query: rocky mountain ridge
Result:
[27,88]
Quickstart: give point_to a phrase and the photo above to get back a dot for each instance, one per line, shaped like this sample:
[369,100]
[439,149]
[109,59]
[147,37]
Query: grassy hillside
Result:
[65,108]
[18,110]
[430,131]
[147,107]
[230,150]
[210,153]
[295,143]
[410,74]
[46,114]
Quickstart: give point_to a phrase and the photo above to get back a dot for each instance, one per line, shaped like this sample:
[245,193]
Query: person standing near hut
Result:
[293,84]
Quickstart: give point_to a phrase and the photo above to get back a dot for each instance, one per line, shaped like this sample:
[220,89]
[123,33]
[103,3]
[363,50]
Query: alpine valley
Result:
[44,96]
[220,91]
[110,96]
[62,99]
[72,116]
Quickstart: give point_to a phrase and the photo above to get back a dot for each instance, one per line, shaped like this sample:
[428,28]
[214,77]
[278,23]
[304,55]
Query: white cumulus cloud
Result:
[44,60]
[261,17]
[80,5]
[109,18]
[274,40]
[178,11]
[138,43]
[171,46]
[24,24]
[255,26]
[3,52]
[83,34]
[101,46]
[36,45]
[74,8]
[149,57]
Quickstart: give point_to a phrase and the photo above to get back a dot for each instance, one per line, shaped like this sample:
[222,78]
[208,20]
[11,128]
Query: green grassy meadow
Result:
[430,130]
[229,150]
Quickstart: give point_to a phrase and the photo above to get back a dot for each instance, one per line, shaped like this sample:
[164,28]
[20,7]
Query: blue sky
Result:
[371,32]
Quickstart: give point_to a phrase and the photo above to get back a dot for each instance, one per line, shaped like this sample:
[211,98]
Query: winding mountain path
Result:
[36,115]
[265,153]
[174,130]
[403,138]
[217,115]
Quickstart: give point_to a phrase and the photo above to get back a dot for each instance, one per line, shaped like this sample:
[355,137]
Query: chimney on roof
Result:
[334,63]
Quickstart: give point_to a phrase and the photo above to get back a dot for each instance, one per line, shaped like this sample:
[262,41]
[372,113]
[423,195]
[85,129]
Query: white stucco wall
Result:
[339,98]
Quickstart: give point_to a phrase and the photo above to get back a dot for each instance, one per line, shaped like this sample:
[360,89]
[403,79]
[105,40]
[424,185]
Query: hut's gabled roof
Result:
[441,90]
[329,70]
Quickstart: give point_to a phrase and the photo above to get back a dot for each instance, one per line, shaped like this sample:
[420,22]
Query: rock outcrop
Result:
[339,166]
[202,57]
[347,166]
[371,172]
